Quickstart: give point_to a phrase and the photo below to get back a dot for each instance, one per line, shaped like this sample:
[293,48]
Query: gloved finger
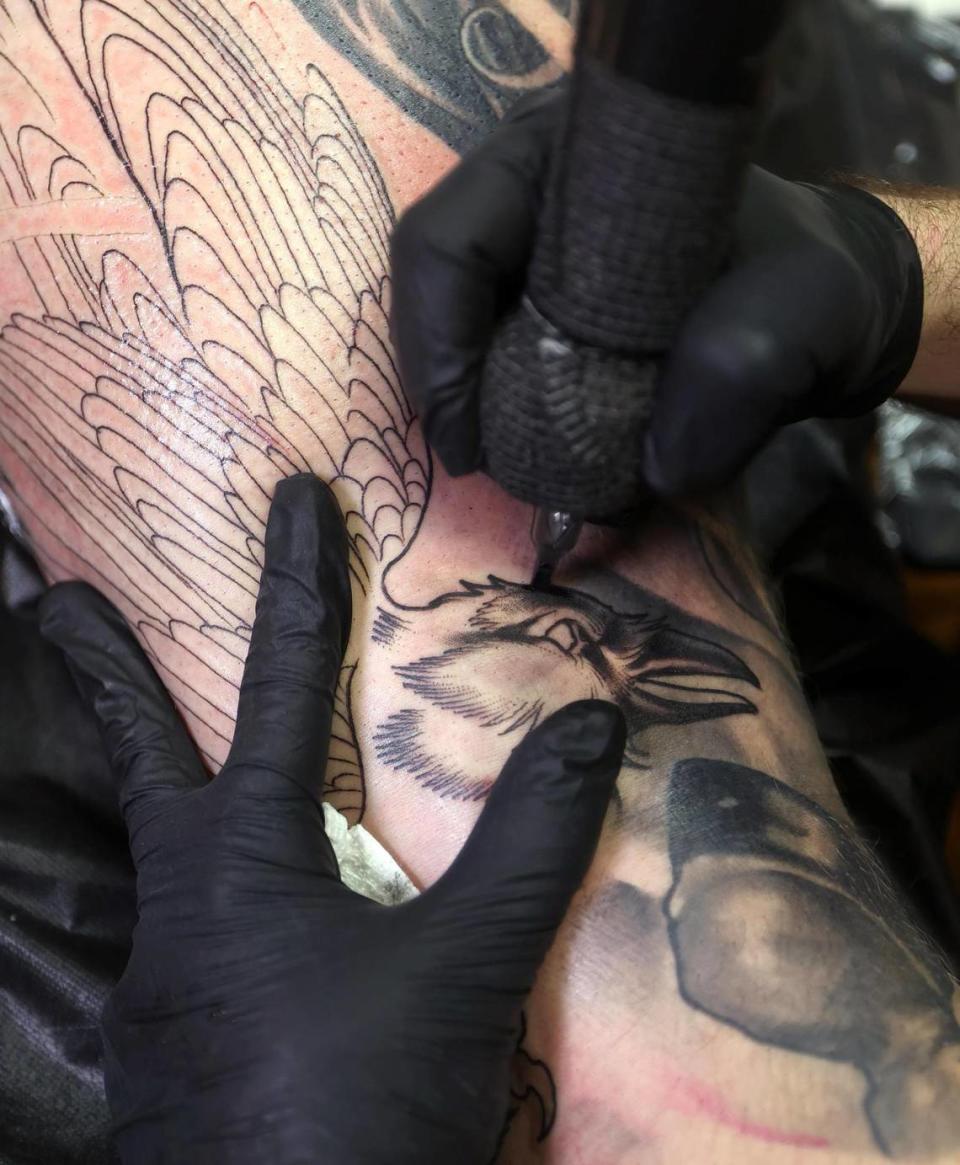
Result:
[496,909]
[146,740]
[298,639]
[762,349]
[458,257]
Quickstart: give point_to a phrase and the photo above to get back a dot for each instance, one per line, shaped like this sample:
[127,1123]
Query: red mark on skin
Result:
[693,1096]
[255,8]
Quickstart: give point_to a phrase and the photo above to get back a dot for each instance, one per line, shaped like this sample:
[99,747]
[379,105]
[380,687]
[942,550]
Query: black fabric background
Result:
[66,901]
[851,85]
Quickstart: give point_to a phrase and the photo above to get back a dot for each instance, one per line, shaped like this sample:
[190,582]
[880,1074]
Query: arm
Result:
[764,993]
[196,307]
[933,219]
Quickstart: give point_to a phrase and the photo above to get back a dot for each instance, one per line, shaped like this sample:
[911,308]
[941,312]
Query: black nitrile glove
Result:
[818,313]
[268,1013]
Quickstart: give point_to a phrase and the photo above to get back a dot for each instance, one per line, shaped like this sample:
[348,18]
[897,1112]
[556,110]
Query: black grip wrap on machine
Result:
[637,221]
[638,212]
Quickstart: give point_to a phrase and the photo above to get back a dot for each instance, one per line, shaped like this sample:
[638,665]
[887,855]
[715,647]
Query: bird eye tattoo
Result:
[567,634]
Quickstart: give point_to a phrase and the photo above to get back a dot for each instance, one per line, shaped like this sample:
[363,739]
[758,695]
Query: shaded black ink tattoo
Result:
[783,927]
[385,627]
[508,655]
[619,934]
[454,66]
[401,742]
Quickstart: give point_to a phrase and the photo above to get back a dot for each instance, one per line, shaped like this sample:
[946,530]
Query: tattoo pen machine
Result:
[636,222]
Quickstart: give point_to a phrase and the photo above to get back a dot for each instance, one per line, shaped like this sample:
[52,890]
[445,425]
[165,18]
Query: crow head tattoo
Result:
[507,656]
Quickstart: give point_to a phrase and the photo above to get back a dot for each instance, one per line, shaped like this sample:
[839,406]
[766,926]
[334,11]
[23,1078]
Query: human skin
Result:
[196,205]
[933,218]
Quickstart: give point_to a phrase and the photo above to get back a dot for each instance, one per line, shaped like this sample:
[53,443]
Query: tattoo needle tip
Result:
[554,533]
[542,575]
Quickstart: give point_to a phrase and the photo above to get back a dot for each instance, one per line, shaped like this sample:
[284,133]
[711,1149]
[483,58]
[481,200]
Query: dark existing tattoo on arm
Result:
[454,65]
[783,927]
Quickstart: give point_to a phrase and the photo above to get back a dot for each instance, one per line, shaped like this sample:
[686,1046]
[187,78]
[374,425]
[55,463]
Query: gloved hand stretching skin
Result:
[818,313]
[267,1012]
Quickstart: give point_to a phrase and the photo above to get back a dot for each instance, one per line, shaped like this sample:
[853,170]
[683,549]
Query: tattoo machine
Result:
[636,222]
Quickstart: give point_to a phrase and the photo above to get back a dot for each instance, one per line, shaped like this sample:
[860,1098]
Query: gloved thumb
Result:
[498,906]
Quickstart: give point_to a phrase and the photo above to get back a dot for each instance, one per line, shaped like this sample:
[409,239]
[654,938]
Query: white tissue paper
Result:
[365,866]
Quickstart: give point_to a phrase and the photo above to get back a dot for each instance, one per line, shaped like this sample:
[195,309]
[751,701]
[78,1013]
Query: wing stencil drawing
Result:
[172,373]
